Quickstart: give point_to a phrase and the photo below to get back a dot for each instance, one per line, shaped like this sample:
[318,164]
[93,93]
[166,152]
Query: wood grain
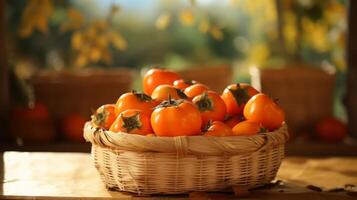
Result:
[73,176]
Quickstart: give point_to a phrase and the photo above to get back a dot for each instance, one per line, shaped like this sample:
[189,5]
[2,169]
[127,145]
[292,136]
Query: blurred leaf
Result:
[101,41]
[95,54]
[77,40]
[187,18]
[101,25]
[35,17]
[75,20]
[81,60]
[163,21]
[259,53]
[41,24]
[118,41]
[204,26]
[91,32]
[216,32]
[316,34]
[290,31]
[334,12]
[25,31]
[114,9]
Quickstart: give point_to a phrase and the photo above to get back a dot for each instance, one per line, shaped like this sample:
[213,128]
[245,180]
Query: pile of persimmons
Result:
[171,106]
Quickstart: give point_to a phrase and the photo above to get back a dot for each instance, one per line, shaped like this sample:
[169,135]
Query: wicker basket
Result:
[173,165]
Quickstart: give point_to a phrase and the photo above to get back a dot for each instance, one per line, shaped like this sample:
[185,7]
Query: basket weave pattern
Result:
[153,165]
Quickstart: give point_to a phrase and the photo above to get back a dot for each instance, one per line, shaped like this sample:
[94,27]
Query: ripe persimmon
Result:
[217,128]
[262,109]
[162,92]
[211,106]
[156,77]
[183,84]
[235,96]
[176,118]
[132,121]
[135,100]
[247,128]
[231,121]
[195,89]
[104,116]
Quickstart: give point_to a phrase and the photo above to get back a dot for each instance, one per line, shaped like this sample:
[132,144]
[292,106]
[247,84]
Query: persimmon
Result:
[156,77]
[183,84]
[236,96]
[161,93]
[211,106]
[330,129]
[195,89]
[217,128]
[72,127]
[262,109]
[135,100]
[104,116]
[132,121]
[231,121]
[176,118]
[32,124]
[248,128]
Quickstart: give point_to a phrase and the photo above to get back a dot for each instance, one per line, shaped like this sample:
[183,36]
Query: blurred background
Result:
[60,59]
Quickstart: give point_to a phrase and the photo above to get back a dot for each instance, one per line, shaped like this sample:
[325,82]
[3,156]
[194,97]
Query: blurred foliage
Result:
[90,41]
[111,33]
[178,33]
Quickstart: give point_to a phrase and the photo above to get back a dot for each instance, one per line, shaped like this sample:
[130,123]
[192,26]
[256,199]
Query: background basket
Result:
[172,165]
[66,92]
[305,92]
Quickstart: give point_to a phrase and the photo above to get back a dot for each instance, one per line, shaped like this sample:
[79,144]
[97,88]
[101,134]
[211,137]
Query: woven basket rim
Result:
[198,145]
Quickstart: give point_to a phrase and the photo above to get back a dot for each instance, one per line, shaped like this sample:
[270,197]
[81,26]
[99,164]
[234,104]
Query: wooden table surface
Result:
[73,176]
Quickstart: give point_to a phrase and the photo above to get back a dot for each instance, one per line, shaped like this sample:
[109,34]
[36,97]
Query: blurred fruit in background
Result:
[330,130]
[72,127]
[31,124]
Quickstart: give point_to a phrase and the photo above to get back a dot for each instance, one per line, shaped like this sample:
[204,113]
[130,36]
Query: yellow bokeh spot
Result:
[35,17]
[77,40]
[95,54]
[216,32]
[118,40]
[258,53]
[204,26]
[187,18]
[316,34]
[163,21]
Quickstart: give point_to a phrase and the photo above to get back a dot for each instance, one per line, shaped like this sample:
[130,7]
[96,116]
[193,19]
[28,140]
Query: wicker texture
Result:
[172,165]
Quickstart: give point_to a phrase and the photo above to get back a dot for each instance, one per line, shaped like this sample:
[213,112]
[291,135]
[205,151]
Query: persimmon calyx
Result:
[207,126]
[262,130]
[181,94]
[169,102]
[190,82]
[99,118]
[240,95]
[142,96]
[131,122]
[204,103]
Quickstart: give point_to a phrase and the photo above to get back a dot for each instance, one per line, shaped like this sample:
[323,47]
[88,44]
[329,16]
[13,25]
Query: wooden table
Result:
[73,176]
